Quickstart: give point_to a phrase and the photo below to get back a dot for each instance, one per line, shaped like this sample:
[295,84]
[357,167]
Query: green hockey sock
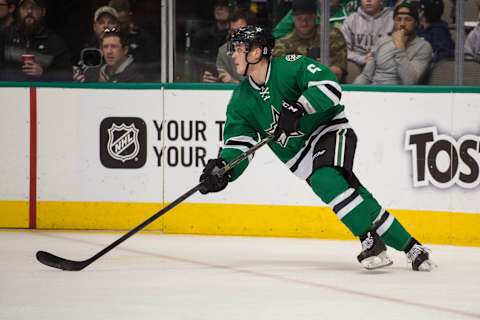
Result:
[355,208]
[392,231]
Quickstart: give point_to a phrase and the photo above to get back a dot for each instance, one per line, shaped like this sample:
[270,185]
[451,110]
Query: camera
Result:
[89,64]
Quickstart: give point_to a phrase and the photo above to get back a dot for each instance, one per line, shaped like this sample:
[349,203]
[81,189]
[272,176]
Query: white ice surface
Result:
[156,276]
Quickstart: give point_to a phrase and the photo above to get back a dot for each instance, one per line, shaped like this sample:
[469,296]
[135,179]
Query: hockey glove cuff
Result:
[210,178]
[289,119]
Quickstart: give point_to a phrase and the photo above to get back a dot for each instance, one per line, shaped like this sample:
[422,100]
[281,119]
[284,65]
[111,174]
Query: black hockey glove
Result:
[289,119]
[211,181]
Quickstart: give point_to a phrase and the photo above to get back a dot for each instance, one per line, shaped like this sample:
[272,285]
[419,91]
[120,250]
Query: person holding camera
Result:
[31,51]
[119,65]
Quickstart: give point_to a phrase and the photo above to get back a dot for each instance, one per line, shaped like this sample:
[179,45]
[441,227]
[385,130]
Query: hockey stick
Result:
[71,265]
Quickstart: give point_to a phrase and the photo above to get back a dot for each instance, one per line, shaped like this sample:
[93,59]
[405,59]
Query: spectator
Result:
[141,44]
[472,44]
[7,8]
[225,67]
[339,11]
[306,37]
[104,18]
[207,40]
[435,30]
[48,57]
[401,58]
[363,28]
[119,66]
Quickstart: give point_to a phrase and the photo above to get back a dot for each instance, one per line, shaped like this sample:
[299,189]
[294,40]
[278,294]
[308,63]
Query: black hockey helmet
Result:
[252,36]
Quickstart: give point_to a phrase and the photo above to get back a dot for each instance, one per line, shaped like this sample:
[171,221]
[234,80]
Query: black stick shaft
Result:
[60,263]
[232,164]
[145,223]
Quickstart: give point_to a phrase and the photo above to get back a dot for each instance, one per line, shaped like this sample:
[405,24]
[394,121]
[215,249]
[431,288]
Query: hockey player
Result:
[297,100]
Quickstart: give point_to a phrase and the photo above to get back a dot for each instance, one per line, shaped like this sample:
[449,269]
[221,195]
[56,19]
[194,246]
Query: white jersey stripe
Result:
[242,149]
[292,161]
[306,104]
[305,167]
[329,94]
[321,85]
[324,82]
[246,139]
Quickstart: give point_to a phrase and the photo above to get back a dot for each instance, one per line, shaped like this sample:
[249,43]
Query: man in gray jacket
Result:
[363,28]
[402,58]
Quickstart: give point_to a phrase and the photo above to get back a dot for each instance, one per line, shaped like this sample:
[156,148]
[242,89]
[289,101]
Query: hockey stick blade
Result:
[54,261]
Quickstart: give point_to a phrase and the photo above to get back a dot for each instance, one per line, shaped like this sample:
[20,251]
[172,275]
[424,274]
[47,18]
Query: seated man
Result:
[119,66]
[364,28]
[305,37]
[402,58]
[31,51]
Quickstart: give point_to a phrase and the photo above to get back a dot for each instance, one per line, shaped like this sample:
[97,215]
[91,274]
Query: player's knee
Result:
[328,182]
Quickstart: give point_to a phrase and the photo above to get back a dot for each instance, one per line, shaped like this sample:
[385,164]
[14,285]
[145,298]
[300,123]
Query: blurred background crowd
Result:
[370,41]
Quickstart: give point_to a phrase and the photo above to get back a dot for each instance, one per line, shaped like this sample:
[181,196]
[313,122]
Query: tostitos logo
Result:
[442,161]
[123,142]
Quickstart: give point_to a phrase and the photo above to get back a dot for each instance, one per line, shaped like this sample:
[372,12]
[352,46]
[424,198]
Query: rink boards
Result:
[108,158]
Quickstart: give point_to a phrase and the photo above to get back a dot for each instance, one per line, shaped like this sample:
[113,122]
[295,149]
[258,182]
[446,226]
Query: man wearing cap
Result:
[364,28]
[402,58]
[142,45]
[105,17]
[32,52]
[7,8]
[306,36]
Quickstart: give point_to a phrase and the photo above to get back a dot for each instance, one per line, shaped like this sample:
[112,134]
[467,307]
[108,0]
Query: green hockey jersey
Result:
[253,111]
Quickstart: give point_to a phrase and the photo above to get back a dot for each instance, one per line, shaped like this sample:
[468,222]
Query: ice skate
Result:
[374,252]
[419,257]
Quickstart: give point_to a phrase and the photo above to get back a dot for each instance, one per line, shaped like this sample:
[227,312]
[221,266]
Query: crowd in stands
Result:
[117,51]
[371,42]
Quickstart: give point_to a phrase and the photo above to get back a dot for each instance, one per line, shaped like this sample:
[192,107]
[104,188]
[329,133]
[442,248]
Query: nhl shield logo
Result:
[123,142]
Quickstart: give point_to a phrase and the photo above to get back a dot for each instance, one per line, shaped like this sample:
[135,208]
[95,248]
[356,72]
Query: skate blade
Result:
[377,262]
[427,266]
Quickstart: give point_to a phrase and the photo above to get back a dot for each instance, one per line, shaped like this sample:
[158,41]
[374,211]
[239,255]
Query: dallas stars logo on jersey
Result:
[283,139]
